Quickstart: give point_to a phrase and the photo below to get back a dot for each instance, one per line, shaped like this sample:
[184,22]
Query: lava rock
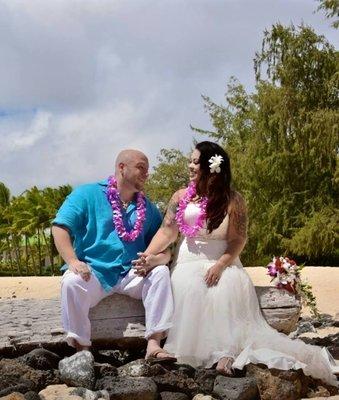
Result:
[277,384]
[173,396]
[78,370]
[18,377]
[205,378]
[32,396]
[236,388]
[175,381]
[185,369]
[105,369]
[40,359]
[125,388]
[140,368]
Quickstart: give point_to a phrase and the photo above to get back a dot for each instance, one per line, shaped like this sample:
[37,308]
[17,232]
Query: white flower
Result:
[215,162]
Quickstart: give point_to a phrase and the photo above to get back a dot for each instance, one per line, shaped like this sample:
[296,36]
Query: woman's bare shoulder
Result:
[178,195]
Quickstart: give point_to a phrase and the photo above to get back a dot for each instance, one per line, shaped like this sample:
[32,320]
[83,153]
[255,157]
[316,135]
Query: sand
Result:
[324,280]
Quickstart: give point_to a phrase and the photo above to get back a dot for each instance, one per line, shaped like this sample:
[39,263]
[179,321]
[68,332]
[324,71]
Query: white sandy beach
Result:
[324,281]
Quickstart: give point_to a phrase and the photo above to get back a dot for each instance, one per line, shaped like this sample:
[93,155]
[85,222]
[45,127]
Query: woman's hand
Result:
[213,275]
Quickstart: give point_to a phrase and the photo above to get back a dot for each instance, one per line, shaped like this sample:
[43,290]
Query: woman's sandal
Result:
[154,359]
[226,369]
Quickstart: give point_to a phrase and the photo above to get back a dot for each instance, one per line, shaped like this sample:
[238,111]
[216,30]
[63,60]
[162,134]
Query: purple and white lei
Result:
[115,201]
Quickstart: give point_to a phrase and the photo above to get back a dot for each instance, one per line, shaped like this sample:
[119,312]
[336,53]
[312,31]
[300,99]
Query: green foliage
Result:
[283,144]
[167,177]
[331,8]
[26,243]
[308,299]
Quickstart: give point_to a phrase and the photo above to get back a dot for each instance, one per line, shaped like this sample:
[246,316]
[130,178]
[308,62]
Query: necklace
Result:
[184,228]
[115,201]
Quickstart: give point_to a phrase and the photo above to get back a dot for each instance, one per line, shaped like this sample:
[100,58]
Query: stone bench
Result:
[120,316]
[117,321]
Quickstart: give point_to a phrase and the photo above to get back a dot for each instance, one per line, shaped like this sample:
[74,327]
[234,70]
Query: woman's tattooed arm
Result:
[239,217]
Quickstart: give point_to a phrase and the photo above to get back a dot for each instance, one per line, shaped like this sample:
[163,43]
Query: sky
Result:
[81,80]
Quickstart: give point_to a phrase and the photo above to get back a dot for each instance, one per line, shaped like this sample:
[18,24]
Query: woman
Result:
[217,319]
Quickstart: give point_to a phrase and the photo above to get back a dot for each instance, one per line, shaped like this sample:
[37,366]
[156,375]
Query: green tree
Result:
[331,8]
[167,177]
[283,143]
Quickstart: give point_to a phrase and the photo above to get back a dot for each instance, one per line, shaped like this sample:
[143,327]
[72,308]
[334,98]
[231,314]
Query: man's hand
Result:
[213,275]
[144,264]
[81,268]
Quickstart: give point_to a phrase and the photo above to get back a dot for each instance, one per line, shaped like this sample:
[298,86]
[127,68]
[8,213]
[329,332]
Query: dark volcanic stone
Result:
[20,388]
[175,381]
[173,396]
[184,368]
[229,388]
[32,396]
[14,374]
[140,368]
[125,388]
[41,359]
[205,378]
[106,369]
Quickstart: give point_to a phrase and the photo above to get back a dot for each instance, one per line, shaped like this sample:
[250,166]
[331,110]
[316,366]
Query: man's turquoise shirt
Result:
[87,215]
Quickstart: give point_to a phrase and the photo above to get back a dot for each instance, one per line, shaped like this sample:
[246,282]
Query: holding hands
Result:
[144,264]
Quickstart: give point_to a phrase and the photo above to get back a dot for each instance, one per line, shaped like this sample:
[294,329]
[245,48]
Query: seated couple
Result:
[112,240]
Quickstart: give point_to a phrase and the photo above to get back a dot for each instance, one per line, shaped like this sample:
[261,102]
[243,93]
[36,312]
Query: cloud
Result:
[23,140]
[81,80]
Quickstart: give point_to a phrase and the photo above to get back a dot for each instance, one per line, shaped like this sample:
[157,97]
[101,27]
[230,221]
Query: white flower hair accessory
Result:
[215,162]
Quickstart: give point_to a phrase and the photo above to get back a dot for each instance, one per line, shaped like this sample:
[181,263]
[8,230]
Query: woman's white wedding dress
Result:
[225,320]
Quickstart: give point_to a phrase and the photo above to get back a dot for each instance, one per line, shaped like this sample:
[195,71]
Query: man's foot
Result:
[160,355]
[224,366]
[78,346]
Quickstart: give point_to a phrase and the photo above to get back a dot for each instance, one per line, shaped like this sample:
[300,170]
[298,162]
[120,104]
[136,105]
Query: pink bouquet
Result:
[285,273]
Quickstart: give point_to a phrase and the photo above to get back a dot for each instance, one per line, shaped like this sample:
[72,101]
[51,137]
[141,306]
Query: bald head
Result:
[129,156]
[131,170]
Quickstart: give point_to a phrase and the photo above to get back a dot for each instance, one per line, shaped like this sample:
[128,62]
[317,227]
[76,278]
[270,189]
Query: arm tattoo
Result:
[240,217]
[169,218]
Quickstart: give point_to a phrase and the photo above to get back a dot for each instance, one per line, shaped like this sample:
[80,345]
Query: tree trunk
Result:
[31,250]
[39,253]
[10,255]
[26,254]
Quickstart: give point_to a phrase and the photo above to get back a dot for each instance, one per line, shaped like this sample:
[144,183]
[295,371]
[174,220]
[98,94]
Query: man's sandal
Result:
[154,359]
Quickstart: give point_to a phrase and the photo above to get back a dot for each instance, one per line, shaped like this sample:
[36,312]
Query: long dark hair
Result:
[216,186]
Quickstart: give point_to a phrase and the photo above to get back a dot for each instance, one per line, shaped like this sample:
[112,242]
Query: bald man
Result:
[98,258]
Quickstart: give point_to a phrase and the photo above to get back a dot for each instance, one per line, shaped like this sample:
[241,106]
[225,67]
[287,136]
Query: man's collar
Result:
[104,182]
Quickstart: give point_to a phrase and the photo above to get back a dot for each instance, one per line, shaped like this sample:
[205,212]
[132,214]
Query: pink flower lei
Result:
[184,228]
[115,201]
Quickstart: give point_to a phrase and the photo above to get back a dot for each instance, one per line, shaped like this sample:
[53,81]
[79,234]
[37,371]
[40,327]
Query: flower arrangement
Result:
[285,274]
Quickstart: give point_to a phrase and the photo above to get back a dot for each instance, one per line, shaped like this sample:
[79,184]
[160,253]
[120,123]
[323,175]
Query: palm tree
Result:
[5,196]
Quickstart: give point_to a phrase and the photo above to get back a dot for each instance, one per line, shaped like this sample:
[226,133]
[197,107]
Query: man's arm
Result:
[63,243]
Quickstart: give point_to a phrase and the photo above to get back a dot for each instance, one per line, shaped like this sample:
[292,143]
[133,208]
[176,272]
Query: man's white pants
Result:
[78,296]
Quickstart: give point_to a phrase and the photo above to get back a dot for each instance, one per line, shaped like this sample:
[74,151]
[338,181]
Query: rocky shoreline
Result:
[124,375]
